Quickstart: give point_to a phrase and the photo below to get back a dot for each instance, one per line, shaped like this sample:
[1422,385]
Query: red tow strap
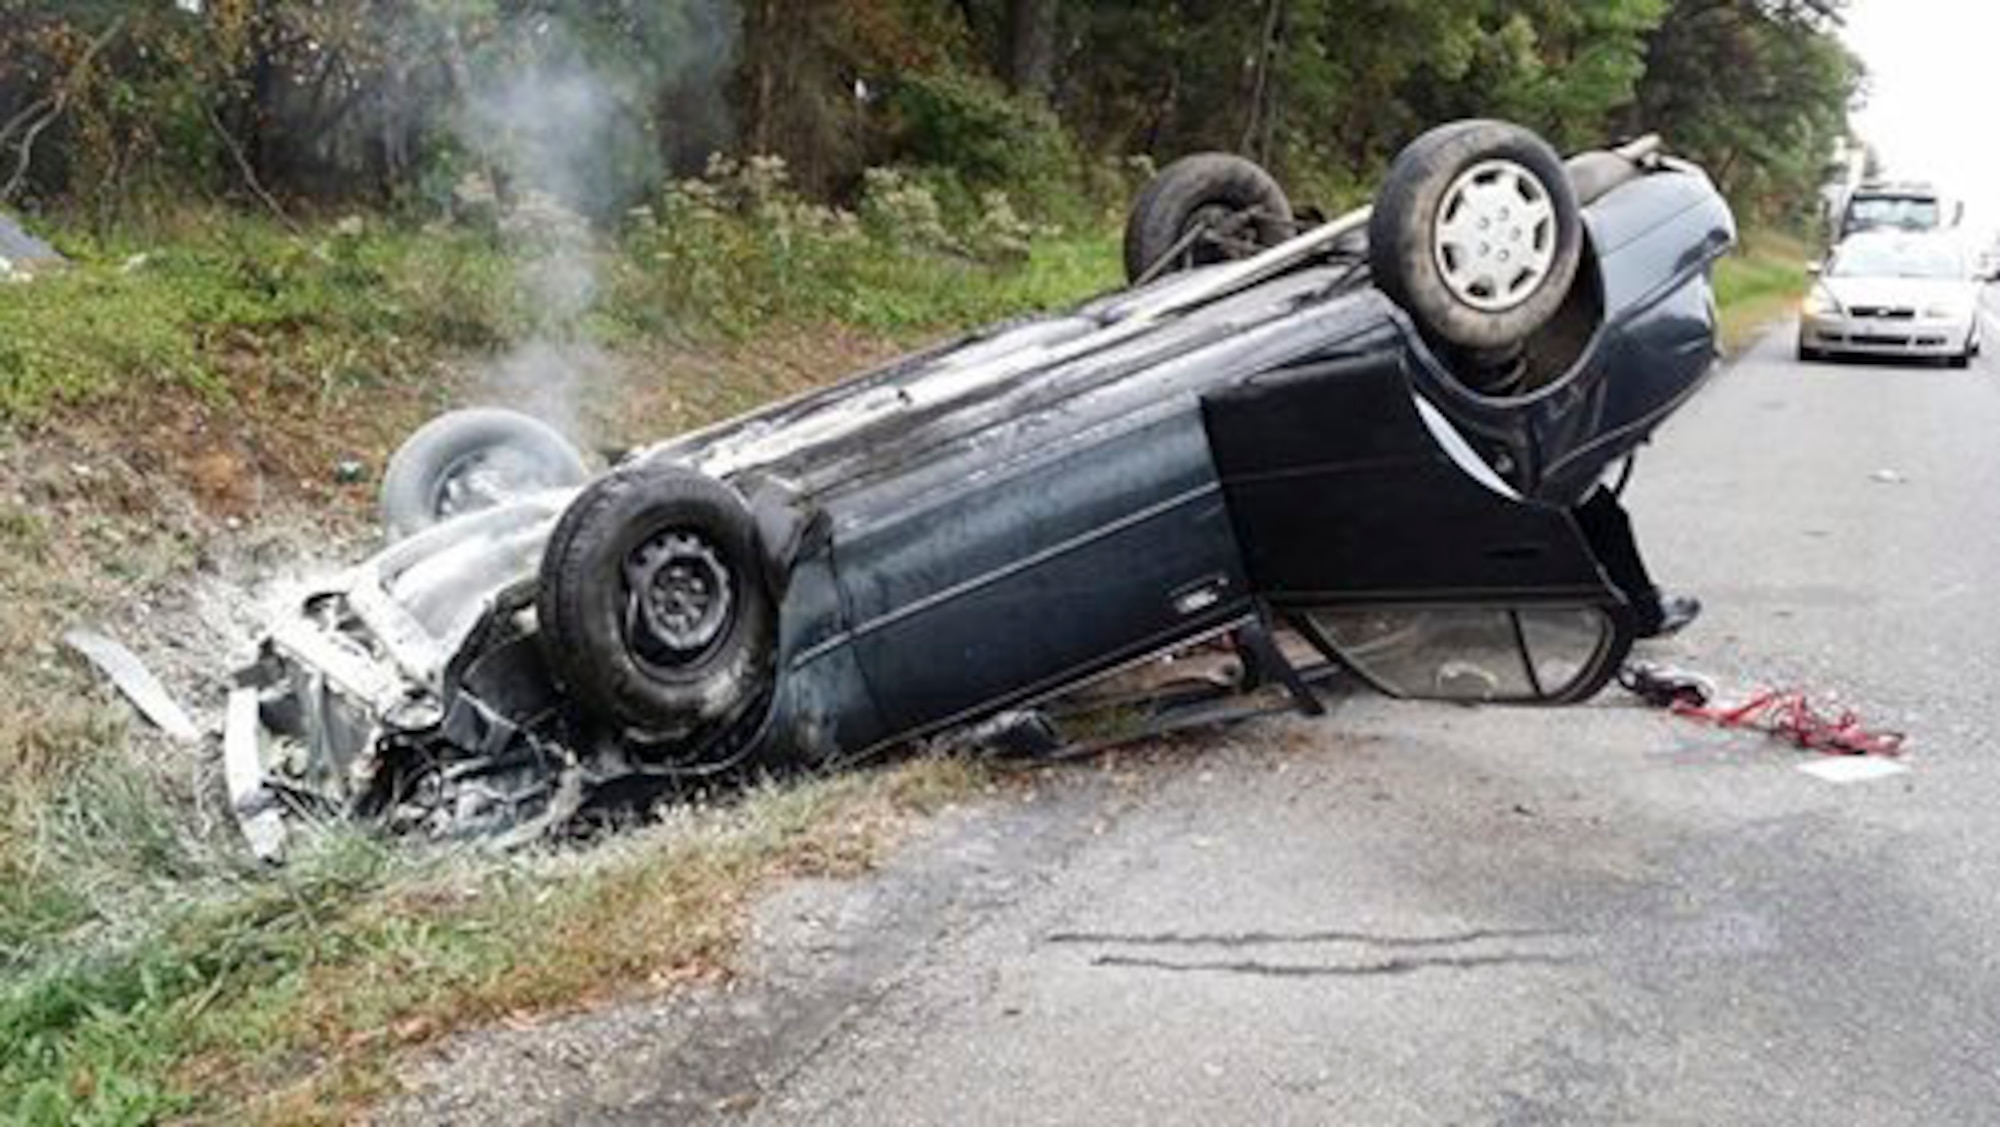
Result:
[1785,714]
[1790,716]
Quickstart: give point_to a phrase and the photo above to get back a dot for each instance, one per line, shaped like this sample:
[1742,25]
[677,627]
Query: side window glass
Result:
[1474,654]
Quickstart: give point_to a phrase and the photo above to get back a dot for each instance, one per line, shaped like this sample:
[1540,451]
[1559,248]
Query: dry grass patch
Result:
[287,1001]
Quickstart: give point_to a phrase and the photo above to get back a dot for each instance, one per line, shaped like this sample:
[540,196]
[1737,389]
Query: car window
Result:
[1915,259]
[1908,213]
[1470,653]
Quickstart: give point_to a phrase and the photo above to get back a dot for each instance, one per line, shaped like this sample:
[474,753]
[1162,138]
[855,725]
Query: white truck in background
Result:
[1902,206]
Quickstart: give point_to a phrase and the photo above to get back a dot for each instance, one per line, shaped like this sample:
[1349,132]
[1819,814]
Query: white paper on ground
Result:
[1852,768]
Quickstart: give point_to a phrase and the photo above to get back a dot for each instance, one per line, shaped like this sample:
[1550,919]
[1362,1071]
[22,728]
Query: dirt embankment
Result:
[160,517]
[139,514]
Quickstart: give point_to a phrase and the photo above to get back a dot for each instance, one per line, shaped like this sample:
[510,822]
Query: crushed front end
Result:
[409,690]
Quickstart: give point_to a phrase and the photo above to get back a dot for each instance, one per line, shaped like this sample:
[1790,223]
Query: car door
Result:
[1018,582]
[1366,521]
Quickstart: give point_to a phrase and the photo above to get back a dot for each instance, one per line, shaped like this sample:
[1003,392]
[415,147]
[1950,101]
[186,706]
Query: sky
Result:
[1933,66]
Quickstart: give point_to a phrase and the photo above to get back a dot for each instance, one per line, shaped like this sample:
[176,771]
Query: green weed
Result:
[1759,284]
[285,998]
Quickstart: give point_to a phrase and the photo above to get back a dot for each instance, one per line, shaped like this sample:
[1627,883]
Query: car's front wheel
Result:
[1476,233]
[653,611]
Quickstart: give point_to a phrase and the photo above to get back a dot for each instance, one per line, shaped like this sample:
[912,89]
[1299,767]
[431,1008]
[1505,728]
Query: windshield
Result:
[1908,213]
[1897,260]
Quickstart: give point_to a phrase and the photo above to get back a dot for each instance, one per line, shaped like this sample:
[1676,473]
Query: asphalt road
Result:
[1412,913]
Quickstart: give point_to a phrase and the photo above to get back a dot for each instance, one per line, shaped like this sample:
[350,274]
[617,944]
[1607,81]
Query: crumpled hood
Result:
[367,653]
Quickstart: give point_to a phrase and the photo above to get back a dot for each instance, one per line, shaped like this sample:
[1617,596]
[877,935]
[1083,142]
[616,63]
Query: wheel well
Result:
[1550,352]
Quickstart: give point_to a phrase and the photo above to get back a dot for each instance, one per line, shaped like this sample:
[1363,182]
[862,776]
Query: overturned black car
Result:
[1373,430]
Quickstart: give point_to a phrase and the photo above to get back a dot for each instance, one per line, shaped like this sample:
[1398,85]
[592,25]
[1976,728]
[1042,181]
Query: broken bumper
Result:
[362,682]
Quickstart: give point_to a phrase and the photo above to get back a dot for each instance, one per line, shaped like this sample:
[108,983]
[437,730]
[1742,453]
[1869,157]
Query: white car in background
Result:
[1893,294]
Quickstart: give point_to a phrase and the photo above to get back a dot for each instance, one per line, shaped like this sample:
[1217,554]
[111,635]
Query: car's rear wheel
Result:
[468,460]
[1476,234]
[1204,209]
[653,612]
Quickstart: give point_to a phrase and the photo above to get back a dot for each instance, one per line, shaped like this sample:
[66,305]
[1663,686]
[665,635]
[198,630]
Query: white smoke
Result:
[564,141]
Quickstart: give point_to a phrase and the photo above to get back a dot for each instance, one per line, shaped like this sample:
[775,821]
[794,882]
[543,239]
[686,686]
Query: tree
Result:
[1757,90]
[1031,46]
[269,100]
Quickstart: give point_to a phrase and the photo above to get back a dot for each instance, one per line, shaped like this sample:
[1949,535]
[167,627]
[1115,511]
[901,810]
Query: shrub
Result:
[971,125]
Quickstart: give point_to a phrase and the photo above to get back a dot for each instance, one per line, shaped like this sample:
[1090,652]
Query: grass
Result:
[182,308]
[225,307]
[1759,284]
[287,1001]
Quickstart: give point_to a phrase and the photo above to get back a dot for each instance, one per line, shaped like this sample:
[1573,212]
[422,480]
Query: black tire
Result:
[1205,187]
[610,652]
[1962,360]
[1404,246]
[426,480]
[1810,355]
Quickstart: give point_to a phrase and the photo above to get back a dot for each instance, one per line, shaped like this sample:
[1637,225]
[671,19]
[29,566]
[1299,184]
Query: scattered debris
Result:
[1785,714]
[1788,715]
[137,682]
[1664,686]
[257,807]
[1888,477]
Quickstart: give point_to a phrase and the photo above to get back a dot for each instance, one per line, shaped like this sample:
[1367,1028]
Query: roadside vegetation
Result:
[287,248]
[218,304]
[285,1000]
[1762,282]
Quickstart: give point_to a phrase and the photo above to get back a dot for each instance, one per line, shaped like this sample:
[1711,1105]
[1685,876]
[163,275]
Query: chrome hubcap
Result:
[1495,236]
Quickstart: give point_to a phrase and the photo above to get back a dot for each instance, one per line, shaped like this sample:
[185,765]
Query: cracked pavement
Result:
[1410,913]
